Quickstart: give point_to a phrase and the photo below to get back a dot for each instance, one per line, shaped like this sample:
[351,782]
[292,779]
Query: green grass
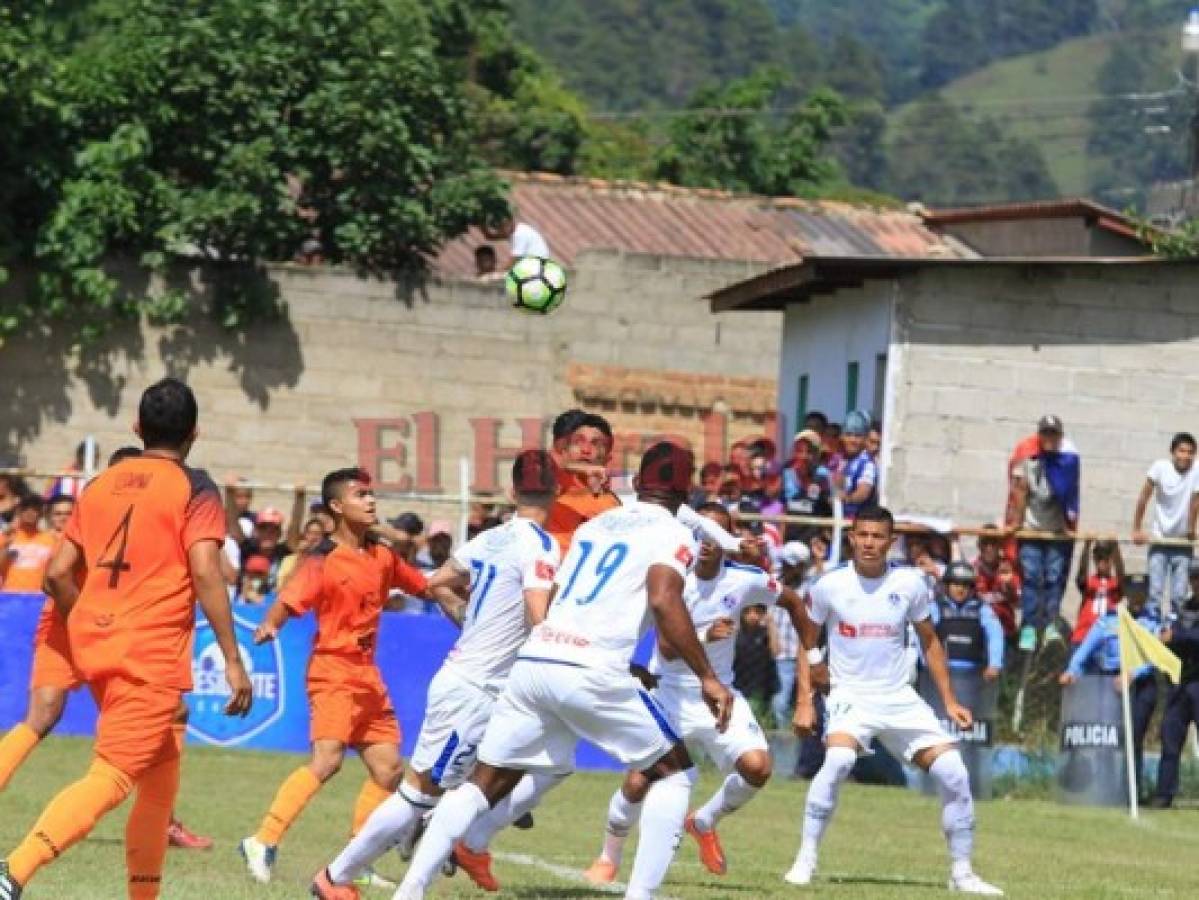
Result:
[884,843]
[1016,92]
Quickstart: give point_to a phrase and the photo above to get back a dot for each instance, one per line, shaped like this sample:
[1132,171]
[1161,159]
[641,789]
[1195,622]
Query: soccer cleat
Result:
[601,872]
[477,866]
[9,889]
[524,823]
[711,854]
[259,857]
[324,889]
[372,879]
[801,873]
[179,835]
[972,884]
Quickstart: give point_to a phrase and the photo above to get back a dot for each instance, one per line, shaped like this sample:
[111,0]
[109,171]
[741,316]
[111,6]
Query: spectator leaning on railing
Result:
[1101,590]
[1045,499]
[997,582]
[1172,484]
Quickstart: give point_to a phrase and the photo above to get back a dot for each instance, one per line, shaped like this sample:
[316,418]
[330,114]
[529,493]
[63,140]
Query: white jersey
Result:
[601,608]
[503,562]
[867,621]
[723,597]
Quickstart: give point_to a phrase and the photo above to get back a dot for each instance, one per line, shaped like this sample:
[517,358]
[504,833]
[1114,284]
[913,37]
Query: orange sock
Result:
[369,798]
[69,817]
[294,794]
[146,831]
[14,750]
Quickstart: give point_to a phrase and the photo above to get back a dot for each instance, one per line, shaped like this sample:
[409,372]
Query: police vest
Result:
[961,630]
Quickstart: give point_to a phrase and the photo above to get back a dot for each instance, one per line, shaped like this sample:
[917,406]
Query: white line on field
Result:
[566,873]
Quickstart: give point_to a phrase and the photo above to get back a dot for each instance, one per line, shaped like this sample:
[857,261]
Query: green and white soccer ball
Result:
[536,285]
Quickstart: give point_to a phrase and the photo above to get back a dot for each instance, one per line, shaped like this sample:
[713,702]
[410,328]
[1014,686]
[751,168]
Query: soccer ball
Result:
[536,285]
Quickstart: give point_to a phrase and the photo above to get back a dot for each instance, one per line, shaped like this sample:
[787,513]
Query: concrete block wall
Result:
[278,401]
[980,355]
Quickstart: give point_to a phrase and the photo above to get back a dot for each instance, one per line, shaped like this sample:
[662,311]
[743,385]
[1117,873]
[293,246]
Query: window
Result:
[851,388]
[880,386]
[801,401]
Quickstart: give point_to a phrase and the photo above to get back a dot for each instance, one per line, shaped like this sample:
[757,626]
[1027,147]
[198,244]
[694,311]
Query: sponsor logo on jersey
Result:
[869,630]
[553,636]
[684,556]
[846,630]
[206,702]
[1090,736]
[543,570]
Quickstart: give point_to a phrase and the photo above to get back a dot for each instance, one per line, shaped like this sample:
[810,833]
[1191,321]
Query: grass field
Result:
[886,842]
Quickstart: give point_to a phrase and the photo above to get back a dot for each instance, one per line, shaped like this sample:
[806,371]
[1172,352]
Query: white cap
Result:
[794,553]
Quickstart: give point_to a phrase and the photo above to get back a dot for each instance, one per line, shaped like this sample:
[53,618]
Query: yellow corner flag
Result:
[1139,648]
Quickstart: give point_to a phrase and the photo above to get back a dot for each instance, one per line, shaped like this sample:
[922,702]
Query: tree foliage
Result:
[232,131]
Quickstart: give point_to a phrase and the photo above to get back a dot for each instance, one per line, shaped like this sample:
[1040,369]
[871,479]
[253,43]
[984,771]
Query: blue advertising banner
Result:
[410,650]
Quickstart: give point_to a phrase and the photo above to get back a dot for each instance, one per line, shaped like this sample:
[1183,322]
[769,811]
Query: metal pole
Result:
[463,499]
[1130,755]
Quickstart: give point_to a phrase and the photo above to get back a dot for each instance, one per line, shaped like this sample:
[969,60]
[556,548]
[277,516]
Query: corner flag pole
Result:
[1129,754]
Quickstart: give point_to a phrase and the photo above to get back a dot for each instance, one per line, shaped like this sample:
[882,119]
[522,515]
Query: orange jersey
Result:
[31,553]
[347,589]
[135,524]
[574,506]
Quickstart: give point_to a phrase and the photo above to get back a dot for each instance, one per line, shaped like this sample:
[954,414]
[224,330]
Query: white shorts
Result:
[903,721]
[547,708]
[694,721]
[456,717]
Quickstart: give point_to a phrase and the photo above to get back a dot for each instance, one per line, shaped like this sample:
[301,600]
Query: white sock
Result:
[662,816]
[623,816]
[729,797]
[453,816]
[387,826]
[957,809]
[524,798]
[822,799]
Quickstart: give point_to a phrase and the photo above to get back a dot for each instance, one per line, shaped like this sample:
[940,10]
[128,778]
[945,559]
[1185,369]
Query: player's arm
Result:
[203,559]
[449,587]
[712,530]
[665,588]
[537,603]
[809,637]
[272,623]
[938,668]
[60,581]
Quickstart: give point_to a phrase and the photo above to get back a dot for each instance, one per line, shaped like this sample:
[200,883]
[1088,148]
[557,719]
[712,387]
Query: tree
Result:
[732,140]
[953,44]
[180,126]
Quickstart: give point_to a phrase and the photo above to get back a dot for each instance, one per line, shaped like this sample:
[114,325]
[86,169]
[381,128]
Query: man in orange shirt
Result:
[26,554]
[346,581]
[144,540]
[582,449]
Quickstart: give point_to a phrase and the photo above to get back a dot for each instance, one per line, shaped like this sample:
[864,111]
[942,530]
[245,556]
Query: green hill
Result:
[1045,98]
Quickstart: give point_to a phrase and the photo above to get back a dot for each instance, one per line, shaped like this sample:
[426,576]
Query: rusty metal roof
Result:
[579,214]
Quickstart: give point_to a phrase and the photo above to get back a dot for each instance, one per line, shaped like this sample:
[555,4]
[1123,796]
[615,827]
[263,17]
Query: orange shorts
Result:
[356,713]
[53,665]
[135,731]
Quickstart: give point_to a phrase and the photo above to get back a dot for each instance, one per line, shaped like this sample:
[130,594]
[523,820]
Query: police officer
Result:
[969,629]
[1182,703]
[1099,653]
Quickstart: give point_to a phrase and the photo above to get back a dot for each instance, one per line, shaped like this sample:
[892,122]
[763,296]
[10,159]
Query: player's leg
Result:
[146,830]
[743,754]
[842,750]
[46,704]
[523,799]
[134,720]
[260,850]
[624,812]
[178,834]
[663,813]
[376,737]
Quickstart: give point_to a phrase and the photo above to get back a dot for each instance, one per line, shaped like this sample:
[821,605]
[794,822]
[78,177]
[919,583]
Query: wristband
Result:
[815,656]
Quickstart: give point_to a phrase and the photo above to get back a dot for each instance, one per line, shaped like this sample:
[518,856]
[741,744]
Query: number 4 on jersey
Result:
[116,563]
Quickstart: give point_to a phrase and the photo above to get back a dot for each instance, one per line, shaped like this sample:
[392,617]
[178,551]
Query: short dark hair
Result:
[123,453]
[1104,550]
[534,475]
[333,484]
[875,513]
[60,498]
[566,423]
[485,250]
[31,501]
[716,509]
[667,468]
[1183,437]
[818,416]
[598,422]
[167,414]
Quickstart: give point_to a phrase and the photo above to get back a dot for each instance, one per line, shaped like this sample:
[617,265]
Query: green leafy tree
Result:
[732,140]
[232,131]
